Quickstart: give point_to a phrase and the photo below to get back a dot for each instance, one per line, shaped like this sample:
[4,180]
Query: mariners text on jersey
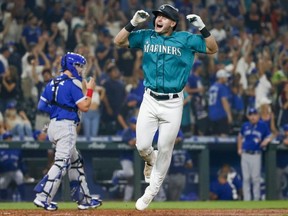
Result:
[162,49]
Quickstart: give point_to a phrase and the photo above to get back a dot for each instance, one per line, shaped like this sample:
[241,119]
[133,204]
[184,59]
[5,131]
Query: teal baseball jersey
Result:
[167,60]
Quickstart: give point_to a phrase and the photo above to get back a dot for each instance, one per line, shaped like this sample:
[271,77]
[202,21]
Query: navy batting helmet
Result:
[69,62]
[168,11]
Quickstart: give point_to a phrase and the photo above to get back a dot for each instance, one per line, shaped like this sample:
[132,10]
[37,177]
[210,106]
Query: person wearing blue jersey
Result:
[180,163]
[253,137]
[126,160]
[12,169]
[63,100]
[168,56]
[219,110]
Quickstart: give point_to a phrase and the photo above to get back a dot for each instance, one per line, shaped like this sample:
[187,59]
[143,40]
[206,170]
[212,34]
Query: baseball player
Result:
[126,160]
[168,57]
[253,137]
[11,169]
[63,99]
[180,163]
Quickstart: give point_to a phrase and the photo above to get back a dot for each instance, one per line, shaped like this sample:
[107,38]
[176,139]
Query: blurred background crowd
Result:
[252,62]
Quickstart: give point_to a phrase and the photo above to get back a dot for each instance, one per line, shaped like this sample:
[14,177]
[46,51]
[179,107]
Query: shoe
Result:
[148,168]
[94,203]
[49,207]
[143,202]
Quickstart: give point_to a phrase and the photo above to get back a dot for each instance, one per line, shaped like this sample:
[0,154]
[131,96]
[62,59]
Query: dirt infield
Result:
[158,212]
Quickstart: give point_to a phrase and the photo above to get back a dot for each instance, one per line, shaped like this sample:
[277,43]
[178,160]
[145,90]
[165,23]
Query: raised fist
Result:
[139,17]
[196,21]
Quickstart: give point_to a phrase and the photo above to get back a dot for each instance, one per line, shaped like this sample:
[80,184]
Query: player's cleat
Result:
[94,203]
[49,207]
[148,168]
[143,202]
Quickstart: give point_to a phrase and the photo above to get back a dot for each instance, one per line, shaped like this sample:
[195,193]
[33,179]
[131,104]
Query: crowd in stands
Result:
[252,62]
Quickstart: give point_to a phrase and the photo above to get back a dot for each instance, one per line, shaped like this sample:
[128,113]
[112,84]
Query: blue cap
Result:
[285,127]
[252,111]
[7,135]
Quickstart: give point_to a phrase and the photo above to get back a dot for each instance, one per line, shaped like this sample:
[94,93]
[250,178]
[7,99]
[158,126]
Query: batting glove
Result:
[139,17]
[196,21]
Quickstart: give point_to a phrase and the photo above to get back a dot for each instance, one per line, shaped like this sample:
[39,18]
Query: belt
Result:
[252,152]
[161,97]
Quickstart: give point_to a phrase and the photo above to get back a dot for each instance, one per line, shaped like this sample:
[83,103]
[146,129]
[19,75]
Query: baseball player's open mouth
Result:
[159,26]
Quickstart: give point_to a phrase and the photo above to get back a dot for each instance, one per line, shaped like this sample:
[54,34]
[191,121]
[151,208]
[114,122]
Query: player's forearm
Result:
[121,39]
[211,45]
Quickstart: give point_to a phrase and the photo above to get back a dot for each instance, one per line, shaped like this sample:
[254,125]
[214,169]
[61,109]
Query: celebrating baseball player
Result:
[168,57]
[63,99]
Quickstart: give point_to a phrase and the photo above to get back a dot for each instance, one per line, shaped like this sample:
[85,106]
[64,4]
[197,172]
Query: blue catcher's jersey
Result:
[253,135]
[167,60]
[10,160]
[68,93]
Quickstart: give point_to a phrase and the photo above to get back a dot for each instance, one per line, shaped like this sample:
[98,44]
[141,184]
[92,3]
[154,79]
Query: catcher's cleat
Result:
[94,203]
[49,207]
[148,167]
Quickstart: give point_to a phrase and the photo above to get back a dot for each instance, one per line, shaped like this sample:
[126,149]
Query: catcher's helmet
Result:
[70,60]
[168,11]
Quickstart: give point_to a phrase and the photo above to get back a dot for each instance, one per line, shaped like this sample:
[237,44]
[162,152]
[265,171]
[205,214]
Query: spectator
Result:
[263,88]
[105,49]
[237,103]
[17,122]
[181,161]
[91,118]
[219,31]
[253,137]
[115,96]
[283,104]
[31,32]
[129,109]
[267,115]
[31,77]
[11,170]
[220,114]
[196,90]
[4,55]
[9,88]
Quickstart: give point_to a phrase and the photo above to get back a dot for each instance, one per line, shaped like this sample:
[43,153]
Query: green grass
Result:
[166,205]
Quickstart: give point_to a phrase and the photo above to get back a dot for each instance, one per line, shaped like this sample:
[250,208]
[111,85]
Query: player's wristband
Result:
[129,27]
[89,93]
[205,33]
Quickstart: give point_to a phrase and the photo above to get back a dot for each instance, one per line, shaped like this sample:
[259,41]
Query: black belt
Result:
[162,96]
[251,152]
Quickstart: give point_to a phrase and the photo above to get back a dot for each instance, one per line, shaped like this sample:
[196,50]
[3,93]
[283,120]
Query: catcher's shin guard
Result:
[78,185]
[51,182]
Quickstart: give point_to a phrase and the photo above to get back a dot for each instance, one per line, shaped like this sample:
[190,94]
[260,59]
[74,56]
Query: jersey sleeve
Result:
[136,38]
[76,91]
[196,42]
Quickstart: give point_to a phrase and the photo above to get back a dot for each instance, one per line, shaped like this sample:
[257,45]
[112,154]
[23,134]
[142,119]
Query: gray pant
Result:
[176,186]
[251,172]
